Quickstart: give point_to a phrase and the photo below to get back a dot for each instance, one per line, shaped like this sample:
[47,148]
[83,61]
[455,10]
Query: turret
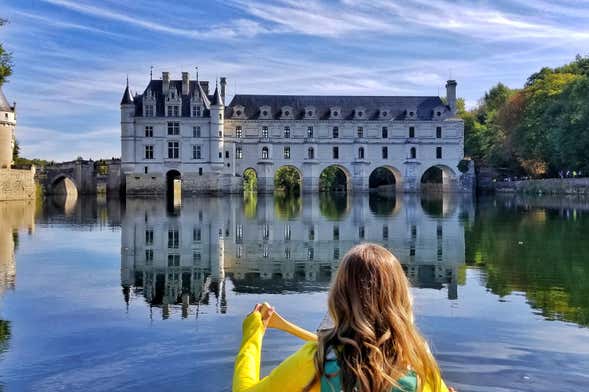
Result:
[127,126]
[217,120]
[7,126]
[451,95]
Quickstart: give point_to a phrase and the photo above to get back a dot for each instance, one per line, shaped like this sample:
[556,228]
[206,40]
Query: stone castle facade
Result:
[15,184]
[179,129]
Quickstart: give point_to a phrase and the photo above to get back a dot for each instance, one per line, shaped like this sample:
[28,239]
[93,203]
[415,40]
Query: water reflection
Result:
[277,244]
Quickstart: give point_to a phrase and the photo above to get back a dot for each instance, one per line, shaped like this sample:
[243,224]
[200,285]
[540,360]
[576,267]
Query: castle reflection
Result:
[180,260]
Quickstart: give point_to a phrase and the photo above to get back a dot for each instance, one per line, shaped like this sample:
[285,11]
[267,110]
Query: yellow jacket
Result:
[293,374]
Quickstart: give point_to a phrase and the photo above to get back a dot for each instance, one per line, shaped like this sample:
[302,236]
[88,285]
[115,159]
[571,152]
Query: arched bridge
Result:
[81,177]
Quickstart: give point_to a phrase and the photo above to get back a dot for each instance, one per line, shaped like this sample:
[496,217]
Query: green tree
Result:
[287,179]
[5,60]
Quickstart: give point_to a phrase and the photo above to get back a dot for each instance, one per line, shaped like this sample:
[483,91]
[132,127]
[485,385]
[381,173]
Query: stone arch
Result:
[335,178]
[174,186]
[438,178]
[385,178]
[250,180]
[288,178]
[62,184]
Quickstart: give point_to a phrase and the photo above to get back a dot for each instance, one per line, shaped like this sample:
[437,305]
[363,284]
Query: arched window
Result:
[311,153]
[265,154]
[413,154]
[361,153]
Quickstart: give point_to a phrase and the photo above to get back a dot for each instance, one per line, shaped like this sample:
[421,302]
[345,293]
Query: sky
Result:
[71,57]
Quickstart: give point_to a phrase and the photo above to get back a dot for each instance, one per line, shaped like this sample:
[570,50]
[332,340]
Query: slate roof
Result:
[217,100]
[156,87]
[127,98]
[395,105]
[4,105]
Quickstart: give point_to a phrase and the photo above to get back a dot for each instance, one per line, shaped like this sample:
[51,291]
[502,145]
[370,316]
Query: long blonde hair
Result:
[374,337]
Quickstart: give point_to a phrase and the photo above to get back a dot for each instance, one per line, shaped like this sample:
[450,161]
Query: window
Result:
[238,132]
[173,239]
[196,257]
[311,234]
[265,154]
[148,237]
[310,132]
[385,153]
[148,110]
[149,152]
[148,131]
[336,233]
[438,132]
[196,234]
[439,152]
[145,169]
[196,131]
[173,128]
[310,253]
[411,131]
[226,154]
[195,111]
[335,132]
[310,153]
[173,150]
[413,153]
[238,153]
[265,132]
[361,233]
[286,152]
[385,232]
[335,152]
[360,132]
[200,171]
[196,151]
[287,132]
[361,153]
[385,132]
[173,111]
[173,260]
[148,256]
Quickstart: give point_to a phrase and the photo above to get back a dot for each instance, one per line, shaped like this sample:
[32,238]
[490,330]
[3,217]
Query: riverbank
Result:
[554,186]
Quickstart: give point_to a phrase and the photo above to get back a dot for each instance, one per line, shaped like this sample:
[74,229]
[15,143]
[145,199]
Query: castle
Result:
[15,184]
[177,131]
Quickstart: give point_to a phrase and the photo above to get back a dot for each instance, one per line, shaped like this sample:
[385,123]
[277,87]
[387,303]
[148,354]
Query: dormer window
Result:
[309,112]
[196,111]
[286,112]
[384,113]
[239,111]
[148,110]
[359,113]
[411,113]
[334,112]
[265,112]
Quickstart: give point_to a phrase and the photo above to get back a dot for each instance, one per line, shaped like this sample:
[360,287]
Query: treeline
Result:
[539,130]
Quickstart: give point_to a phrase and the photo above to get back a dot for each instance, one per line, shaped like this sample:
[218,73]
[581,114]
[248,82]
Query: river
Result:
[102,295]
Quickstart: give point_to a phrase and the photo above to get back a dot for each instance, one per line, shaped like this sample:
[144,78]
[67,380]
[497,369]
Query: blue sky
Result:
[72,56]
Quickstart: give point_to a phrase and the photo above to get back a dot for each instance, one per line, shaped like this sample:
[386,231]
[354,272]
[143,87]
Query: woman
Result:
[373,346]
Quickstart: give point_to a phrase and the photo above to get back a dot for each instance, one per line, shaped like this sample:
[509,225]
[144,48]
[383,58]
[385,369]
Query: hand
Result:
[452,389]
[266,311]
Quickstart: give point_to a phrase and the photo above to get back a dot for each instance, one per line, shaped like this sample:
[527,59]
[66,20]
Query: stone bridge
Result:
[85,177]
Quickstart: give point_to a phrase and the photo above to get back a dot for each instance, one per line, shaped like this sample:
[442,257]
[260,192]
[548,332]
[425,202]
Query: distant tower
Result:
[7,126]
[127,129]
[217,121]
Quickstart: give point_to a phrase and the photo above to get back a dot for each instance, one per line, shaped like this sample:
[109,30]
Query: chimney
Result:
[165,83]
[185,83]
[451,95]
[223,86]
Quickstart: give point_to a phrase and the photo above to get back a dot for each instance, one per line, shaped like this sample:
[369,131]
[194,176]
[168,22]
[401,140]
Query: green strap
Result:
[331,382]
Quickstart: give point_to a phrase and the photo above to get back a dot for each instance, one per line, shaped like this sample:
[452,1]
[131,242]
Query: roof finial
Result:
[127,80]
[151,72]
[196,68]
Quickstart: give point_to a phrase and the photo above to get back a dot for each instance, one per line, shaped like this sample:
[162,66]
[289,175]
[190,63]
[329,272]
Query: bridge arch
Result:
[62,184]
[288,178]
[385,178]
[335,178]
[250,180]
[438,178]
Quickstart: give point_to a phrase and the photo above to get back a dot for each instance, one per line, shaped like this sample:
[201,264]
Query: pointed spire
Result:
[4,105]
[217,99]
[127,97]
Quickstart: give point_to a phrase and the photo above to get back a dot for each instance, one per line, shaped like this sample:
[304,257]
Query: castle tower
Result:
[127,131]
[217,121]
[7,126]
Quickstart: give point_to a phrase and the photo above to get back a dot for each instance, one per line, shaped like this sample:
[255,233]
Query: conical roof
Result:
[4,105]
[217,100]
[127,98]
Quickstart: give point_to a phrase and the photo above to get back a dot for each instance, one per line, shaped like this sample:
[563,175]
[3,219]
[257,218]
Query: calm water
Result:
[103,296]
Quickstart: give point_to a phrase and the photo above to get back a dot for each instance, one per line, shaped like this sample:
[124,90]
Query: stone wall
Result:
[16,184]
[192,183]
[564,186]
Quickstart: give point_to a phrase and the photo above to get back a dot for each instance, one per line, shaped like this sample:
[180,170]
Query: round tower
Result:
[127,131]
[217,119]
[7,126]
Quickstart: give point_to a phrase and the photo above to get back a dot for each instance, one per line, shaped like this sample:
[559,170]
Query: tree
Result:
[15,150]
[5,61]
